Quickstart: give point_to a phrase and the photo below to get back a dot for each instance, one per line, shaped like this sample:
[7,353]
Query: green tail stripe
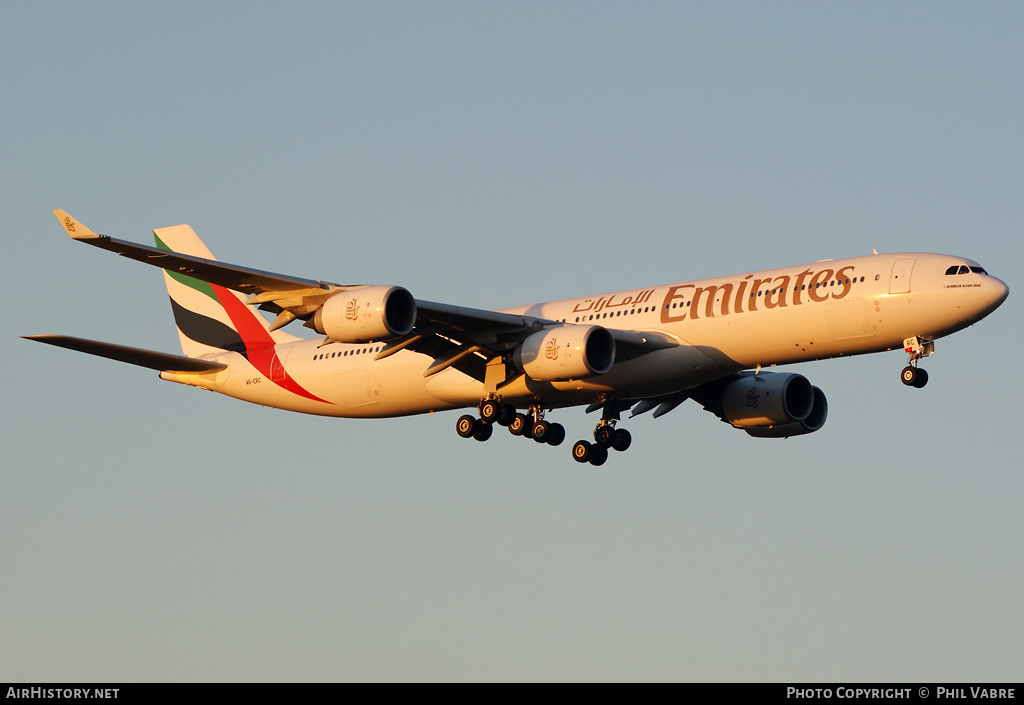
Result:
[200,286]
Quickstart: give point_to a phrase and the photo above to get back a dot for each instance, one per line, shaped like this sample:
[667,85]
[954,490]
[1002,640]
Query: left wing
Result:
[231,276]
[455,336]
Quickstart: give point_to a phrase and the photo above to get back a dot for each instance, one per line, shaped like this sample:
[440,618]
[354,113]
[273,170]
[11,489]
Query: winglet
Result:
[75,229]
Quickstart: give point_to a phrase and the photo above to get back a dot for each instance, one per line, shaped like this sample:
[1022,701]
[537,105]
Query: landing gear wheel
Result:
[581,451]
[490,410]
[603,435]
[557,434]
[621,440]
[914,376]
[518,425]
[541,431]
[466,426]
[483,431]
[507,413]
[598,455]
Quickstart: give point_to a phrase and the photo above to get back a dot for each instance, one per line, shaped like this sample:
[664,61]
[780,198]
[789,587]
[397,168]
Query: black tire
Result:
[541,431]
[465,426]
[581,451]
[921,379]
[603,435]
[909,375]
[598,455]
[489,411]
[518,425]
[507,413]
[557,434]
[483,431]
[621,440]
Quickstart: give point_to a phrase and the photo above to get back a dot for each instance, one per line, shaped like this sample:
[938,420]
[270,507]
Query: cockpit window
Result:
[964,269]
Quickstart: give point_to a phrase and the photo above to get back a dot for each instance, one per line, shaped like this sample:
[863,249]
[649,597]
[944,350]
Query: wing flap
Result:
[470,319]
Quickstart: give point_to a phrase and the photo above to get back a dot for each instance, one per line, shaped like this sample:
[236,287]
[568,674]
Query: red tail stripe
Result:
[259,346]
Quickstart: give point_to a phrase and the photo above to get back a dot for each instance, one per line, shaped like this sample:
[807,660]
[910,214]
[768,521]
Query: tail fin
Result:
[210,318]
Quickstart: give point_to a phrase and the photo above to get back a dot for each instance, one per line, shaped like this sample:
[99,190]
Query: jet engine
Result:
[566,352]
[812,422]
[366,314]
[771,405]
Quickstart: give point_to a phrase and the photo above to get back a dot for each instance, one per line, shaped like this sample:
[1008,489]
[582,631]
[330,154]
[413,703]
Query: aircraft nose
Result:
[998,293]
[990,296]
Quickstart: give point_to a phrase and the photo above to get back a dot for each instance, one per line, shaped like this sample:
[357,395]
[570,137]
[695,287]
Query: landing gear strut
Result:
[605,436]
[529,425]
[912,375]
[535,427]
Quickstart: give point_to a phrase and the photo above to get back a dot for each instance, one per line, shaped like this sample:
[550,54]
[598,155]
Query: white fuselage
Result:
[722,325]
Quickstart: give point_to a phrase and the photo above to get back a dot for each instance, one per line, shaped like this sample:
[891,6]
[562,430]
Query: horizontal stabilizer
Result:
[163,362]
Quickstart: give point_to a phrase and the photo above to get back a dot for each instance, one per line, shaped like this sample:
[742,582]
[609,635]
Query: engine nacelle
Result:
[767,399]
[813,421]
[366,314]
[566,352]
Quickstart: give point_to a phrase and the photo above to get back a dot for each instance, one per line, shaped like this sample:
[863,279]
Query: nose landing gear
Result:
[912,375]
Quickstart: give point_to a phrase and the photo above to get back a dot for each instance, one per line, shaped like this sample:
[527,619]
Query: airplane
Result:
[380,352]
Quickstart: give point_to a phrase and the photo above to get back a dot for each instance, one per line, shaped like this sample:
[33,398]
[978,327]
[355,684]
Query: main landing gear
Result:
[529,425]
[912,375]
[605,436]
[532,425]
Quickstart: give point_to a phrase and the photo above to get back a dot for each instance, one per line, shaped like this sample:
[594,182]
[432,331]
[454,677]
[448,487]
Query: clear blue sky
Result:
[496,154]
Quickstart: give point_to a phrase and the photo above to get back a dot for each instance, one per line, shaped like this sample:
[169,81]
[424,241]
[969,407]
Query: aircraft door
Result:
[277,373]
[899,280]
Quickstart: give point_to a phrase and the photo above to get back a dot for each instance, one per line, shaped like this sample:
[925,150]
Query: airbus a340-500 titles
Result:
[381,352]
